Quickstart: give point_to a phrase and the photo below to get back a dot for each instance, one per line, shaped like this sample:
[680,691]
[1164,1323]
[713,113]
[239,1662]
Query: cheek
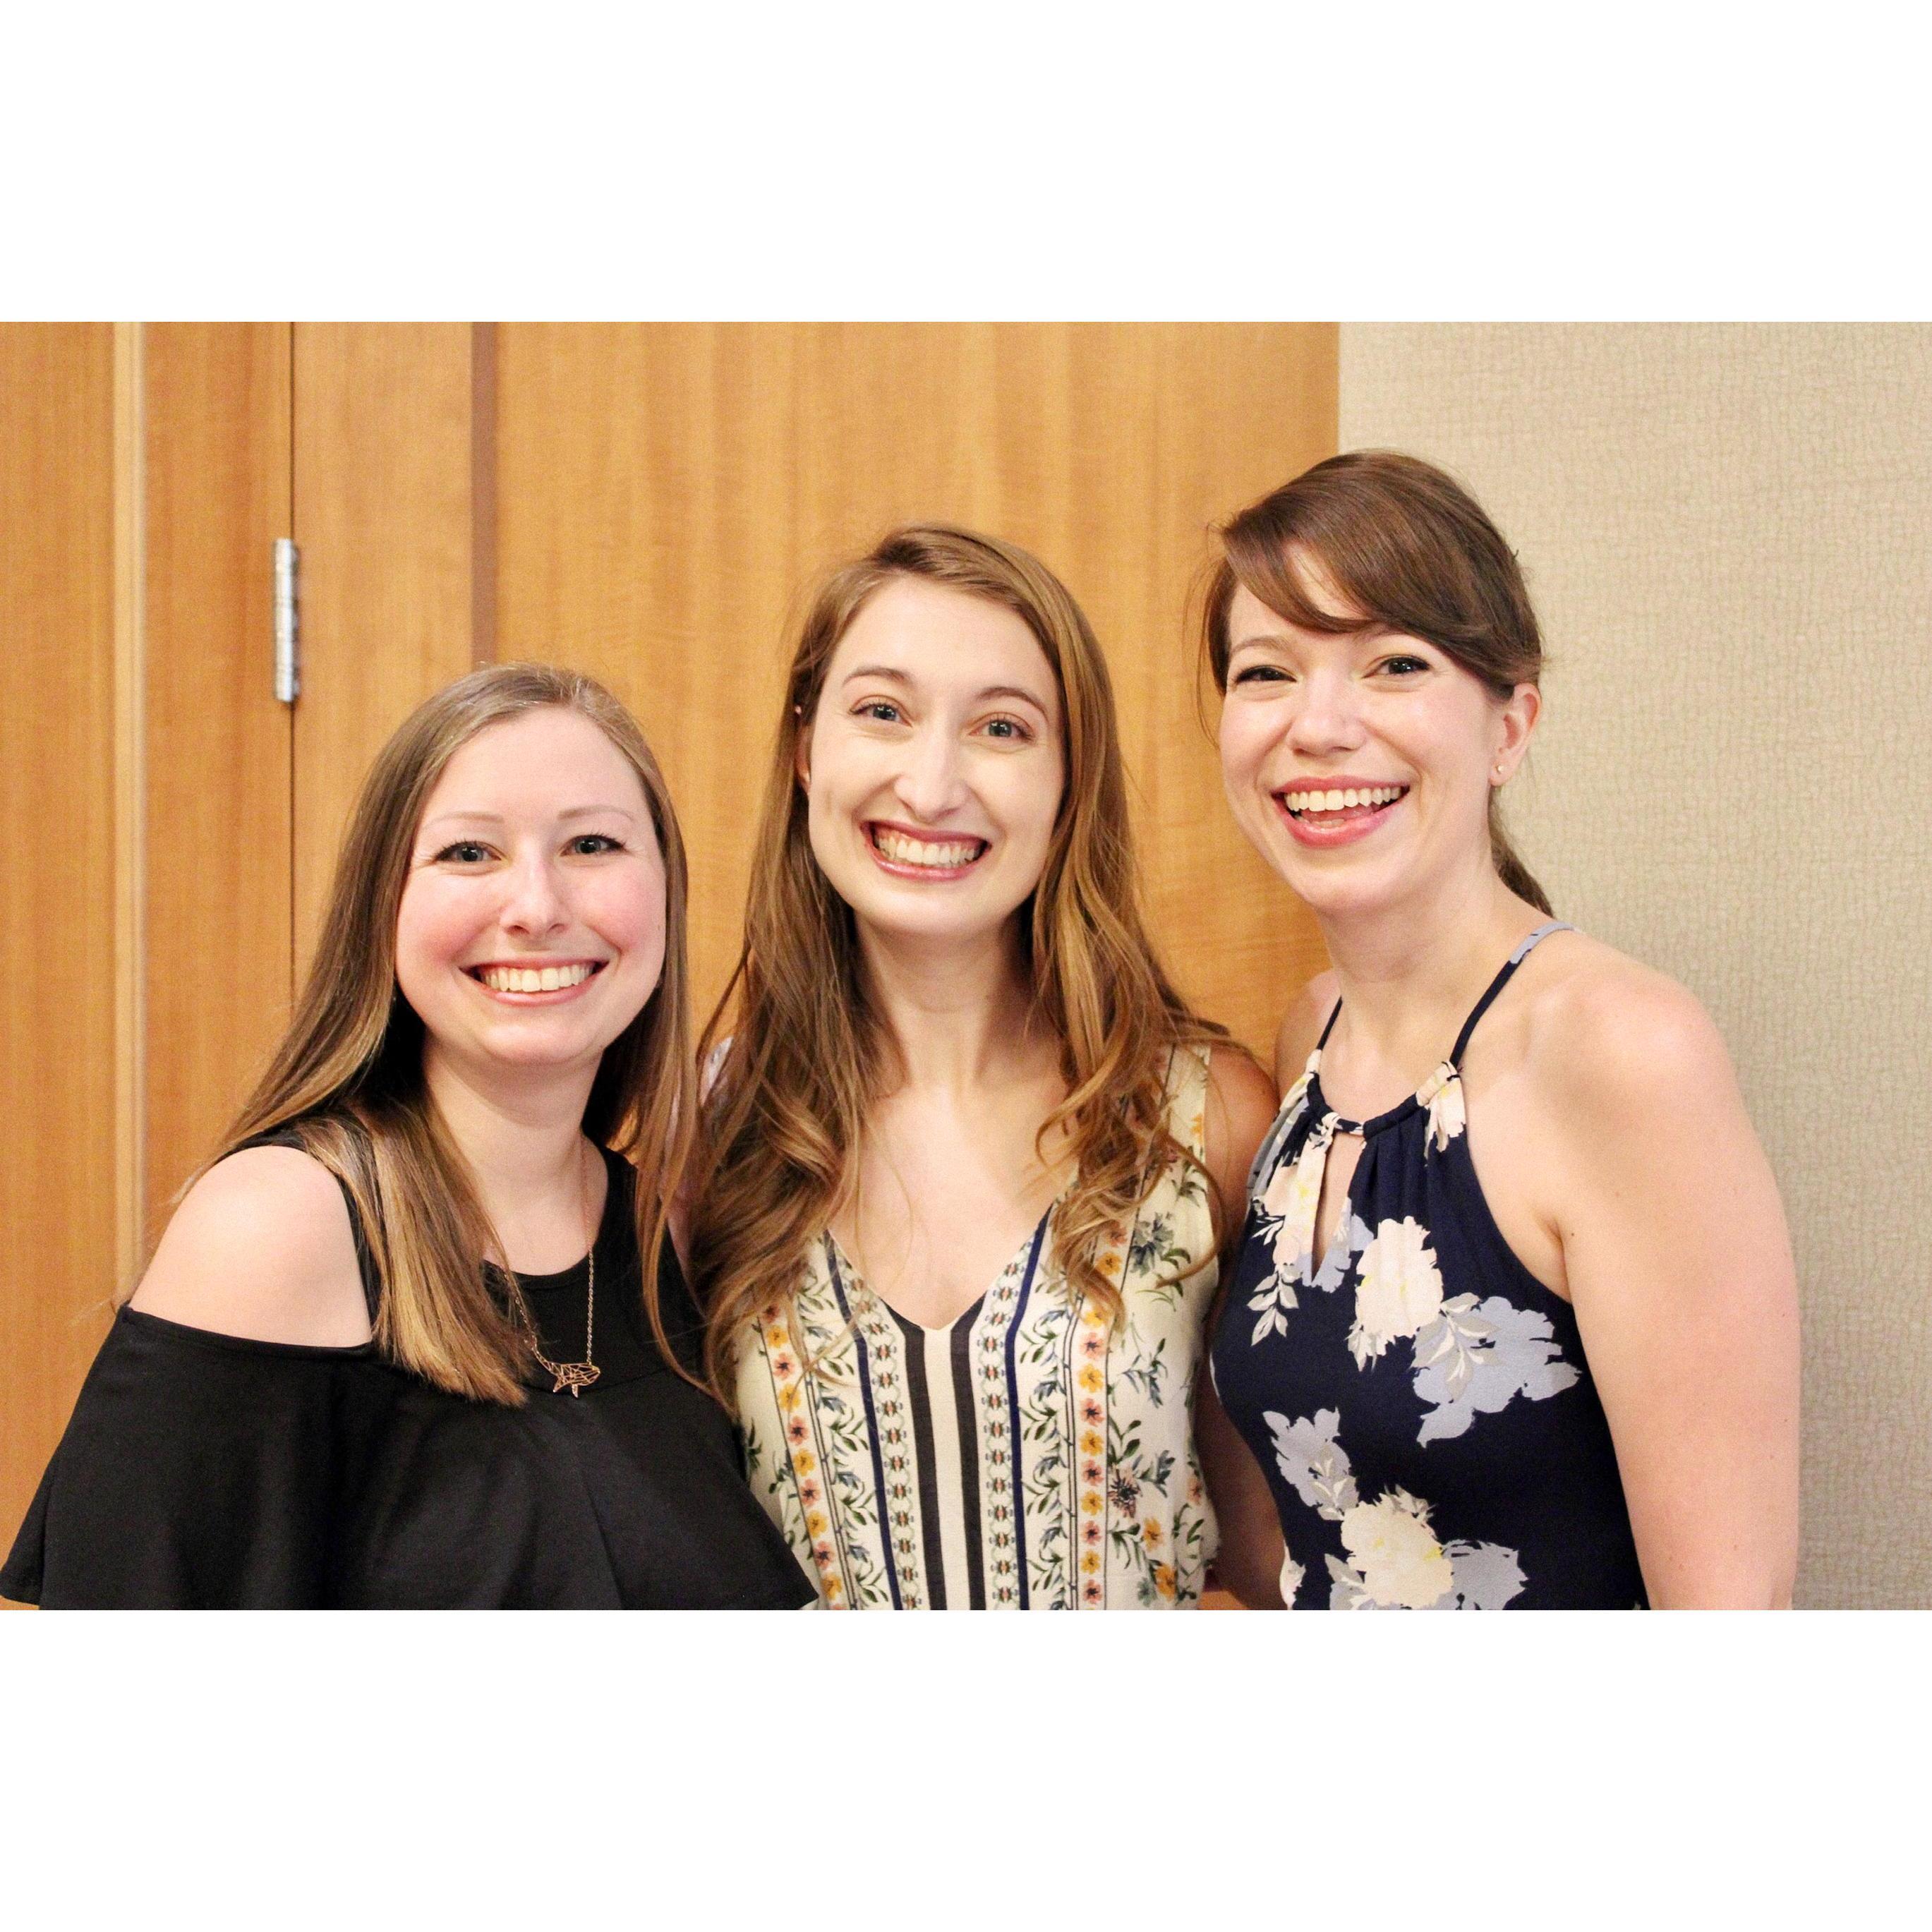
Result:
[846,771]
[434,923]
[628,911]
[1246,732]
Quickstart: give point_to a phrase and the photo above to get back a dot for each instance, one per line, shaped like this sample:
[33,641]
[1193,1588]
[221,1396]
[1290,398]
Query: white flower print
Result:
[1397,1557]
[1476,1359]
[1398,1290]
[1292,1574]
[1290,1199]
[1397,1561]
[1441,1094]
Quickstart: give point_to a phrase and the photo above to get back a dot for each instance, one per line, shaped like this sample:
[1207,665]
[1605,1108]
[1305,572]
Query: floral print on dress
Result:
[1090,1490]
[1398,1289]
[1394,1560]
[1476,1357]
[1479,1471]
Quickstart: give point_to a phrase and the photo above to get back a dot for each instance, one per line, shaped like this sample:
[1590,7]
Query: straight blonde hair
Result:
[346,1082]
[807,1054]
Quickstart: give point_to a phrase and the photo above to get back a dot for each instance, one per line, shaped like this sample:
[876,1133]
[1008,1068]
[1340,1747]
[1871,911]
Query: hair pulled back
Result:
[1406,545]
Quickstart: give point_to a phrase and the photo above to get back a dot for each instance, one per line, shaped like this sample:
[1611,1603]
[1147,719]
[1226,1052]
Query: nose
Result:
[533,901]
[1328,719]
[932,780]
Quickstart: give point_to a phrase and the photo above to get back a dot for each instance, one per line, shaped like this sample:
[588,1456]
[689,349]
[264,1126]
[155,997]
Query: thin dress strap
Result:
[1522,951]
[1334,1016]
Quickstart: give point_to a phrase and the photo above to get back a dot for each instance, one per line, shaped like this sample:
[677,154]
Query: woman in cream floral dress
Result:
[967,1150]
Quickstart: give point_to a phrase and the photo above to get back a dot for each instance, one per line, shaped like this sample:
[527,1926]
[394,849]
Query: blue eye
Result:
[1008,730]
[882,710]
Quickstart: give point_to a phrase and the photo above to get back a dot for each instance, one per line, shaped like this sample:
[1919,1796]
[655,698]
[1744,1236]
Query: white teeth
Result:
[903,851]
[1342,800]
[533,979]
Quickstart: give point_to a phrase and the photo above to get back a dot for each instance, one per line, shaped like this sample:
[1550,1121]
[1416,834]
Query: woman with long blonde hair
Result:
[416,1335]
[966,1151]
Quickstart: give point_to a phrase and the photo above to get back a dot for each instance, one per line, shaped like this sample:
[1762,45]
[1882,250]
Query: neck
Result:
[1409,972]
[522,1139]
[959,1014]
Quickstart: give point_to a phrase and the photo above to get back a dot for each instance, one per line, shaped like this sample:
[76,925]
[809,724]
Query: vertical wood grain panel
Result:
[58,821]
[129,777]
[384,513]
[666,492]
[218,901]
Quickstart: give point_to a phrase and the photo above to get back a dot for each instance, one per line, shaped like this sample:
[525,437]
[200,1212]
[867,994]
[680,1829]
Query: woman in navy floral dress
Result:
[1513,1323]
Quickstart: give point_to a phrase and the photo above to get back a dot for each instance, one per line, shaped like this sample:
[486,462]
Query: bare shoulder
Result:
[1241,1106]
[1605,1037]
[1301,1027]
[261,1248]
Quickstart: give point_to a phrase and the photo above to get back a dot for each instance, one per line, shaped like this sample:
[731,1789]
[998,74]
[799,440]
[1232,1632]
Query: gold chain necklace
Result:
[574,1376]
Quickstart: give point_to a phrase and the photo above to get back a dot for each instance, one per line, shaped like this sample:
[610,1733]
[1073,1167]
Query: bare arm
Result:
[1241,1109]
[1678,1261]
[261,1248]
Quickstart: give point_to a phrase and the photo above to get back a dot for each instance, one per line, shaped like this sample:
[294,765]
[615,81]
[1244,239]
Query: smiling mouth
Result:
[528,979]
[946,858]
[1317,807]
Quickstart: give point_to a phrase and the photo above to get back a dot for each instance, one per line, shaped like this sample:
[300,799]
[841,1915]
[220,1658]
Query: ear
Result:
[801,750]
[1516,720]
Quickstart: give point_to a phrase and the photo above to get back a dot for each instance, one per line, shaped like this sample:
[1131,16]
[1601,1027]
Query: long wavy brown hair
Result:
[346,1082]
[808,1053]
[1409,547]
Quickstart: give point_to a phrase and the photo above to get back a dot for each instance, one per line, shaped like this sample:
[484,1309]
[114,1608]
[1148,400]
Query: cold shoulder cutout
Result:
[206,1470]
[263,1248]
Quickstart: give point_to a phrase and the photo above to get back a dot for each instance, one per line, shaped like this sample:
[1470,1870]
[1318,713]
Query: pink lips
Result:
[937,874]
[557,996]
[1344,827]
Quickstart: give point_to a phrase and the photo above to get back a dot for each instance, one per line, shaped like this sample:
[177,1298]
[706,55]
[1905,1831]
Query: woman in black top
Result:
[372,1363]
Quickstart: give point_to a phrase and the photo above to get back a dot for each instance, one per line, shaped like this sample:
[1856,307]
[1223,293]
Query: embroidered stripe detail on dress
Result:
[918,1396]
[799,1434]
[953,1525]
[887,1540]
[1013,1404]
[966,1412]
[1087,1429]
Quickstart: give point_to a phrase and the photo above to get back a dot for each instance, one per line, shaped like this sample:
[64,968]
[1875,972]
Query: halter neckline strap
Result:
[1448,1070]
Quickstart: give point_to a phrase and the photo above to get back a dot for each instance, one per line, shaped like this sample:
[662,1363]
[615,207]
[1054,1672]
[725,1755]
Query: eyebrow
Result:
[900,677]
[497,818]
[1366,633]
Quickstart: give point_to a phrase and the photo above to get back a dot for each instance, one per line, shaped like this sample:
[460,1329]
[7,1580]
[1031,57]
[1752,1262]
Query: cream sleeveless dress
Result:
[1022,1458]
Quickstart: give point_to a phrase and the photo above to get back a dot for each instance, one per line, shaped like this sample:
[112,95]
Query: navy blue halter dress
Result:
[1418,1400]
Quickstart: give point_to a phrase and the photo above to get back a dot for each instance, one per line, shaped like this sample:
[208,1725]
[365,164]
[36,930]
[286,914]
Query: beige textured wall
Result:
[1728,531]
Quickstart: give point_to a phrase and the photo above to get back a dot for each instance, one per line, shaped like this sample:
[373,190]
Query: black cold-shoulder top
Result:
[204,1470]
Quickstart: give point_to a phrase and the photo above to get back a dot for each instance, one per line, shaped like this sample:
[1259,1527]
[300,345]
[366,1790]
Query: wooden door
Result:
[64,1023]
[144,807]
[647,502]
[664,494]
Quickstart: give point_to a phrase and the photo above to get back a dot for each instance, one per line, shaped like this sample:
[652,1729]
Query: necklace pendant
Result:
[574,1376]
